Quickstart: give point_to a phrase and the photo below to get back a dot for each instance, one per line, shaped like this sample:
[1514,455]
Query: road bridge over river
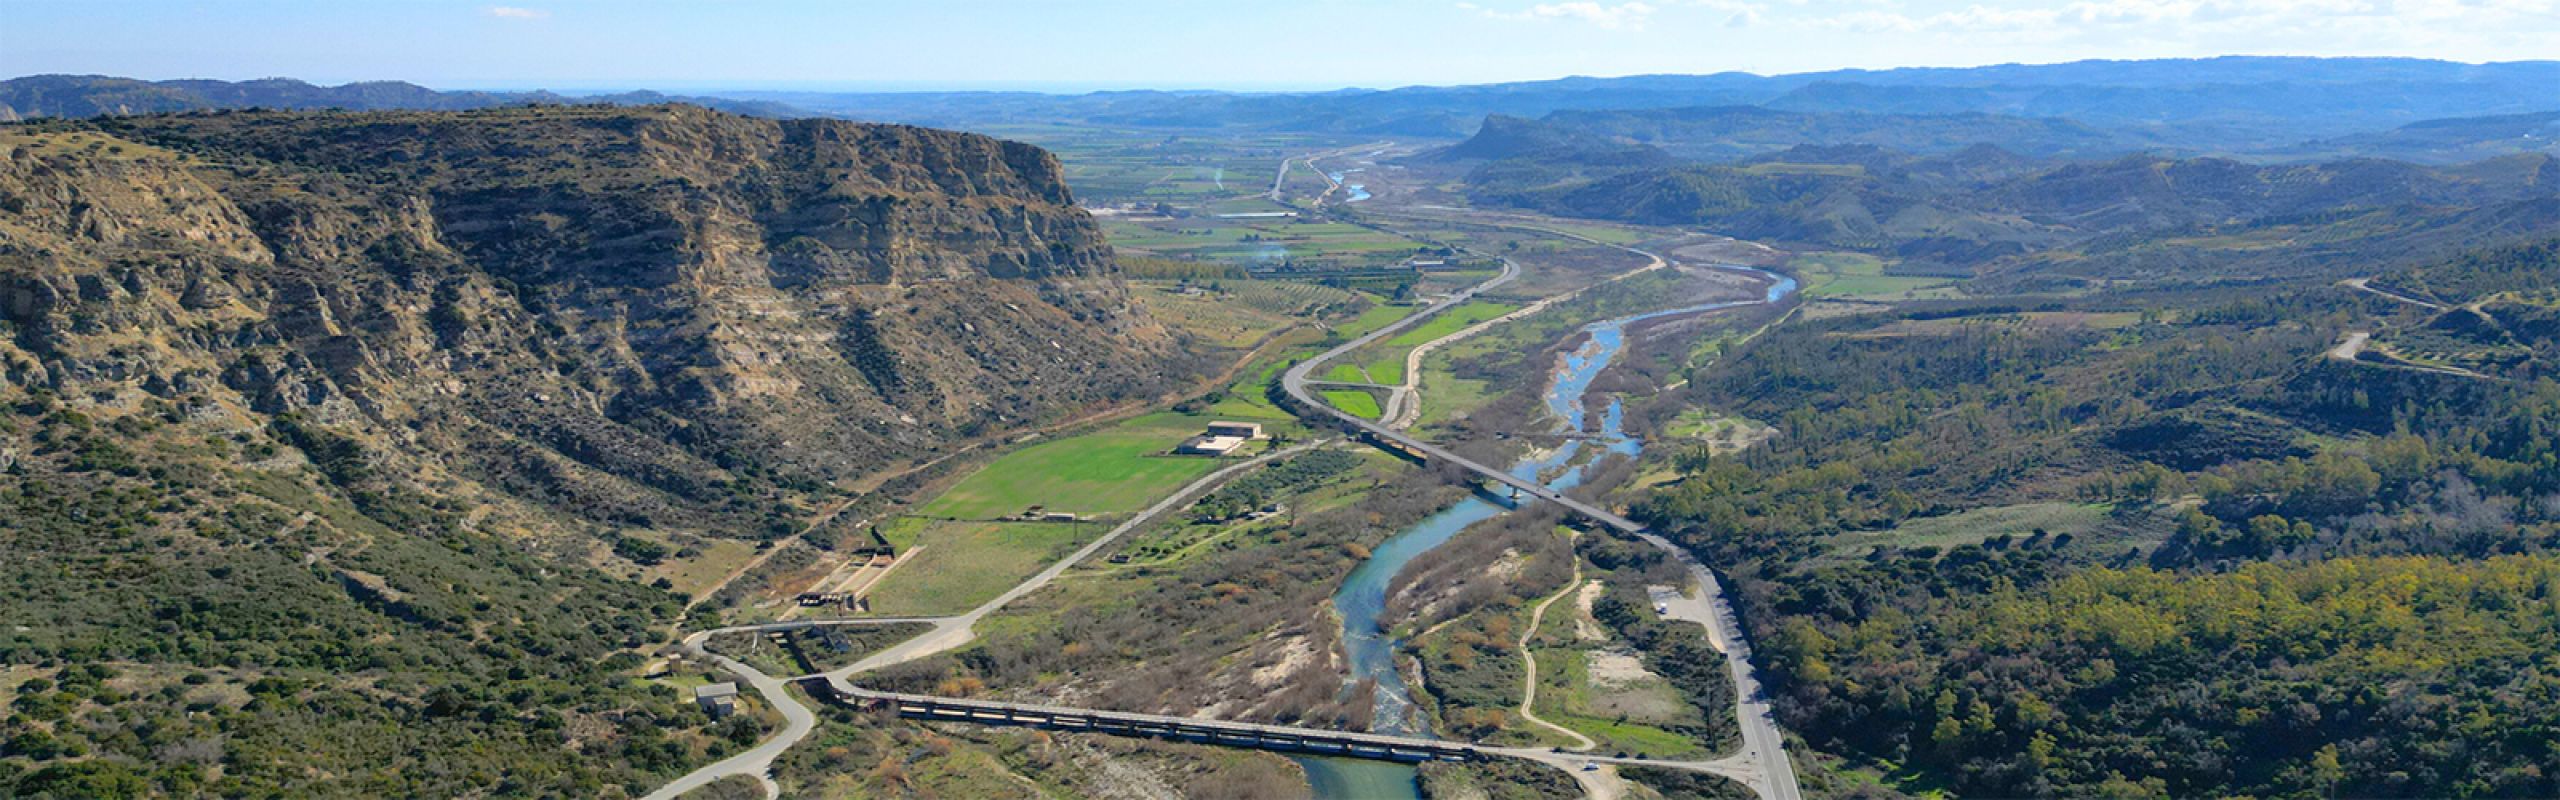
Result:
[1203,731]
[1297,380]
[1223,733]
[1762,762]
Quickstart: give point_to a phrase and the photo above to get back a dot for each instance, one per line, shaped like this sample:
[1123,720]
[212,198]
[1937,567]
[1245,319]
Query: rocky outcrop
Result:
[622,313]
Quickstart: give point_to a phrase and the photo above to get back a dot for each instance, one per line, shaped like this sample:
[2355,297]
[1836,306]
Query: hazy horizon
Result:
[585,45]
[677,86]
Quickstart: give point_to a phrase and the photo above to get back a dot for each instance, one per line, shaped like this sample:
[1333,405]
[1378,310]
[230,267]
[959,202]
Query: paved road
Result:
[2351,348]
[1763,762]
[990,712]
[952,632]
[797,722]
[948,633]
[1297,379]
[1404,404]
[2366,285]
[839,622]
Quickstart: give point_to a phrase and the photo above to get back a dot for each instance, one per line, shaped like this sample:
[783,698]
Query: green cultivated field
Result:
[1108,165]
[1246,401]
[1376,317]
[1387,364]
[1116,470]
[1251,240]
[1857,276]
[963,564]
[1357,401]
[1612,234]
[1445,395]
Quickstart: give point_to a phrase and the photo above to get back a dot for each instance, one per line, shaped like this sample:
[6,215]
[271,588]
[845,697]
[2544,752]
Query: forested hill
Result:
[332,436]
[2043,222]
[1724,133]
[2150,540]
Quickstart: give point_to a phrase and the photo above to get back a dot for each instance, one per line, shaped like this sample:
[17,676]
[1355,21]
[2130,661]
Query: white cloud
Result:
[1612,16]
[513,12]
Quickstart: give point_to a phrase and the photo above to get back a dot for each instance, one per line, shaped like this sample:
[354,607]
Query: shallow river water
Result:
[1362,598]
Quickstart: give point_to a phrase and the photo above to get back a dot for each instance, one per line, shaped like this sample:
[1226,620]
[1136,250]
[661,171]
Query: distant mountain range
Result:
[2450,140]
[1733,132]
[2218,104]
[2259,108]
[100,95]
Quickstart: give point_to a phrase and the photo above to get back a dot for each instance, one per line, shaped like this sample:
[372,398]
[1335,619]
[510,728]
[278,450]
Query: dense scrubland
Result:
[2317,577]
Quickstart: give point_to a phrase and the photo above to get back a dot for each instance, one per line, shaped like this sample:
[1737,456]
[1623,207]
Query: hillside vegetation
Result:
[341,446]
[2306,576]
[2025,222]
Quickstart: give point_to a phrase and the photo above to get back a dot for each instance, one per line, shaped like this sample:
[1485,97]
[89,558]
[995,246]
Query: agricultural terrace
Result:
[1207,316]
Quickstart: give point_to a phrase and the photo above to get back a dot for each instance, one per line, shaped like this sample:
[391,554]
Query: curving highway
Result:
[1296,381]
[1763,762]
[948,633]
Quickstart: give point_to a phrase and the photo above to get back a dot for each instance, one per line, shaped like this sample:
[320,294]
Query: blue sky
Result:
[1083,44]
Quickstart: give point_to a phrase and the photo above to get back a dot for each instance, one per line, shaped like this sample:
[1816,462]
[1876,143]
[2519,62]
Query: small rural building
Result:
[717,699]
[1241,430]
[1206,445]
[1221,438]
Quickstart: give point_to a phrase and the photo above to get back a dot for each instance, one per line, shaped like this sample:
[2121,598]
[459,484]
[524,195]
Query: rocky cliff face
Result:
[627,314]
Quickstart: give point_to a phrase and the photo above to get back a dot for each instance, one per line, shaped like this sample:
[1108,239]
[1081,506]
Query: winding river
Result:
[1362,599]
